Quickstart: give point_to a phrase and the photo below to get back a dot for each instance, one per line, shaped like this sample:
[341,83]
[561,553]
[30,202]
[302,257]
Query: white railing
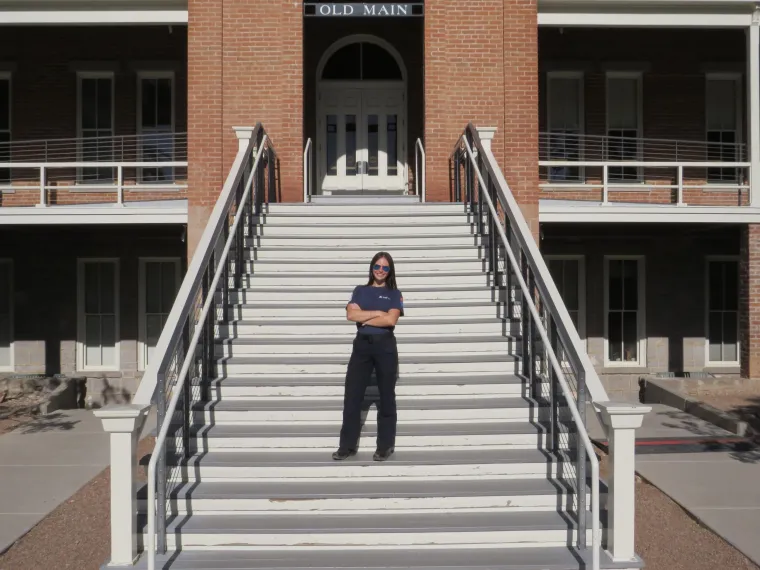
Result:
[150,162]
[419,174]
[307,166]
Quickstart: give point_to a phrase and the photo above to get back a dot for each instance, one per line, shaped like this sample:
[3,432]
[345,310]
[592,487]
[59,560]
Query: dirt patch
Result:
[742,401]
[77,534]
[19,410]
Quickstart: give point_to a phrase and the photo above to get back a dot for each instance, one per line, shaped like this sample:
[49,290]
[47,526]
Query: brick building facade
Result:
[559,89]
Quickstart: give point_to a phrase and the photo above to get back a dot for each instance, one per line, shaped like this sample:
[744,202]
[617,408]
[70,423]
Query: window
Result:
[95,112]
[362,61]
[723,311]
[568,272]
[98,314]
[624,124]
[156,124]
[6,314]
[159,283]
[624,311]
[565,123]
[5,126]
[723,120]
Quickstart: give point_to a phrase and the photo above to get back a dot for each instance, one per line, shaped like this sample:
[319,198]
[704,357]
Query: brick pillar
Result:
[245,65]
[204,111]
[481,65]
[749,301]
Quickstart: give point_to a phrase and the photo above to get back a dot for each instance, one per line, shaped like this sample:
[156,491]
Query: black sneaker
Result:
[383,454]
[342,454]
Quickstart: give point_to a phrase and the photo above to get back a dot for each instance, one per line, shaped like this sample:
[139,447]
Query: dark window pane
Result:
[570,293]
[89,103]
[104,103]
[152,287]
[615,294]
[730,336]
[715,335]
[344,63]
[378,64]
[332,144]
[350,145]
[731,285]
[715,285]
[372,144]
[630,285]
[391,129]
[5,156]
[5,111]
[148,103]
[168,286]
[630,337]
[164,102]
[615,336]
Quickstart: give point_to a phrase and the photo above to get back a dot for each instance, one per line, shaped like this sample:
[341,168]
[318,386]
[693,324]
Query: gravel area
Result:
[17,411]
[75,536]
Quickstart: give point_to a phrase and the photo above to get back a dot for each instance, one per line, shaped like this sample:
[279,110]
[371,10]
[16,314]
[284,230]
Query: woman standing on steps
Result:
[375,308]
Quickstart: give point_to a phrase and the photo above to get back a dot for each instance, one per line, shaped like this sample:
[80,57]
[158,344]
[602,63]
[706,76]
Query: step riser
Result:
[444,219]
[323,280]
[462,390]
[385,540]
[504,346]
[334,417]
[386,505]
[337,311]
[403,443]
[362,256]
[340,298]
[347,229]
[405,329]
[406,368]
[326,209]
[380,243]
[362,267]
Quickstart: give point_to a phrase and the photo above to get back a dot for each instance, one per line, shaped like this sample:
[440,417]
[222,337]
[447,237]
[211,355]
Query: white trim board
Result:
[93,17]
[653,19]
[83,215]
[593,212]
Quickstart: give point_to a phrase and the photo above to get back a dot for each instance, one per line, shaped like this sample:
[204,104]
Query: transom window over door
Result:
[565,123]
[156,124]
[723,311]
[723,117]
[361,121]
[624,124]
[5,126]
[96,96]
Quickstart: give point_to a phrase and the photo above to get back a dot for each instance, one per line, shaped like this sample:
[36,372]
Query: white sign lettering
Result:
[348,9]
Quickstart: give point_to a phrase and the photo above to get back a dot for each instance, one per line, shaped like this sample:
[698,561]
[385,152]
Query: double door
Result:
[361,142]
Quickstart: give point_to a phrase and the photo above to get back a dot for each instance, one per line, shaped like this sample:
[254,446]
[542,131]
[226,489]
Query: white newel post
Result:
[124,423]
[486,135]
[243,135]
[753,98]
[621,420]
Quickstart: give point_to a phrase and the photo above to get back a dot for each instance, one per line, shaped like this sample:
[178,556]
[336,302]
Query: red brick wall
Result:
[481,65]
[749,301]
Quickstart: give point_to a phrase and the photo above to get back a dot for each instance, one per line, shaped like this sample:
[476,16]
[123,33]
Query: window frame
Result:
[11,367]
[580,77]
[721,363]
[581,259]
[110,75]
[737,78]
[158,74]
[142,322]
[640,312]
[81,332]
[639,77]
[8,76]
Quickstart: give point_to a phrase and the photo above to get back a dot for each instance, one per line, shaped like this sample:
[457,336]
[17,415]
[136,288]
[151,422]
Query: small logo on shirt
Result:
[386,298]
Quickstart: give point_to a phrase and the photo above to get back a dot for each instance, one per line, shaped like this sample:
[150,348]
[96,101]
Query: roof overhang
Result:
[96,214]
[646,13]
[93,12]
[593,212]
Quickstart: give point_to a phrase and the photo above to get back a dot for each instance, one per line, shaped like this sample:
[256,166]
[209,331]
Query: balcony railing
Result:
[574,162]
[147,162]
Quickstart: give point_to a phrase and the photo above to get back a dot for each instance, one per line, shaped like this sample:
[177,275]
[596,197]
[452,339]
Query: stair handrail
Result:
[538,273]
[180,337]
[419,176]
[307,166]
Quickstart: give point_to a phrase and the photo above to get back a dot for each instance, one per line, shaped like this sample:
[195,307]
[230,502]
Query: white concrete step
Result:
[385,241]
[386,531]
[346,497]
[413,312]
[362,254]
[326,280]
[361,267]
[435,291]
[307,437]
[342,345]
[417,465]
[495,558]
[366,218]
[330,411]
[379,209]
[349,228]
[332,386]
[323,364]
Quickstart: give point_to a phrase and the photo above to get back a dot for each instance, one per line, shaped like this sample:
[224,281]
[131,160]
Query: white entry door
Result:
[361,143]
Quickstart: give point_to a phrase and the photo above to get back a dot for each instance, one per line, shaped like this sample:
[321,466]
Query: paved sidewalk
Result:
[718,485]
[43,463]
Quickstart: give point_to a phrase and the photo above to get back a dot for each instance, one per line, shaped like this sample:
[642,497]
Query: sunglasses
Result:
[385,268]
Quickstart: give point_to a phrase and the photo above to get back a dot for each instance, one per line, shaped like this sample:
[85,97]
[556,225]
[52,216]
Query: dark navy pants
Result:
[378,353]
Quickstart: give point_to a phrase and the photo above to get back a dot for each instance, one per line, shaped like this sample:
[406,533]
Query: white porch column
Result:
[621,420]
[124,423]
[243,134]
[486,135]
[753,107]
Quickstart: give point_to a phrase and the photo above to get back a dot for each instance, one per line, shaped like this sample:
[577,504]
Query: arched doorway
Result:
[361,118]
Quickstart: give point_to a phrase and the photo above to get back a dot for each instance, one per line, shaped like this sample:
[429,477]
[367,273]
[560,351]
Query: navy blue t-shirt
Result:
[376,299]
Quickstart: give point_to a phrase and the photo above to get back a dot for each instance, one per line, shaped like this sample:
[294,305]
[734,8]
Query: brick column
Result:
[749,301]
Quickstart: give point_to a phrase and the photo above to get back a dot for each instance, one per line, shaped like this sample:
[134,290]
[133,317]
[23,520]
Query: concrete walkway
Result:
[43,463]
[719,485]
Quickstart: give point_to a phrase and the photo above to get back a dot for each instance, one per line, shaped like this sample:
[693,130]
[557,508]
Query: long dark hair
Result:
[390,281]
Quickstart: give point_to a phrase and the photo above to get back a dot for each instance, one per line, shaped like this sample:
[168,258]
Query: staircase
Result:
[471,485]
